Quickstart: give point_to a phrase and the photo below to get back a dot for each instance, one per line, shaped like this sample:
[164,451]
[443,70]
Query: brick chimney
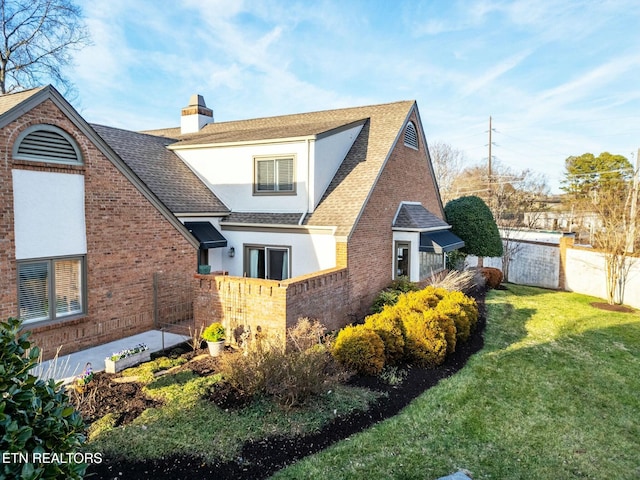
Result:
[195,116]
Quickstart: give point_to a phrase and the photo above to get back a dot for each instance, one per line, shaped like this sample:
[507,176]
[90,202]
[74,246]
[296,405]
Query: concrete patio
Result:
[66,367]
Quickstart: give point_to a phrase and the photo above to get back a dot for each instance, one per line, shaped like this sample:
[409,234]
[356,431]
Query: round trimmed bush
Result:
[389,327]
[492,276]
[360,349]
[426,342]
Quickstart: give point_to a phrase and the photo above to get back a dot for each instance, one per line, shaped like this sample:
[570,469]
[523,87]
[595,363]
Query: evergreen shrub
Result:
[359,349]
[426,343]
[390,328]
[35,416]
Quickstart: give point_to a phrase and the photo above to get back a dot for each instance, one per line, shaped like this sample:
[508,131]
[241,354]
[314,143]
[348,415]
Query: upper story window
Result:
[47,143]
[274,175]
[411,136]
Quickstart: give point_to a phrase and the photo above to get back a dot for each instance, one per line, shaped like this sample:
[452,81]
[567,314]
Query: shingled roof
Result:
[347,193]
[413,216]
[162,171]
[10,100]
[349,189]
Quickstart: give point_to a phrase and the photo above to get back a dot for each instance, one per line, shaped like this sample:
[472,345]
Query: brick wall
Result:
[406,177]
[271,306]
[128,240]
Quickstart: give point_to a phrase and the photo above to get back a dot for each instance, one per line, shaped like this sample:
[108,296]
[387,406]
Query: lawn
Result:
[555,393]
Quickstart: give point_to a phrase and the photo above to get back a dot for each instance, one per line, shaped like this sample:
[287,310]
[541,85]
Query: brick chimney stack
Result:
[195,116]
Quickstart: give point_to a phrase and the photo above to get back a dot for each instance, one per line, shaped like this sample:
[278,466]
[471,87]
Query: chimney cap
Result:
[197,101]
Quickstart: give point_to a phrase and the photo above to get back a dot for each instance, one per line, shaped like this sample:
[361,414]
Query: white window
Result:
[49,289]
[431,263]
[267,262]
[411,136]
[47,143]
[274,175]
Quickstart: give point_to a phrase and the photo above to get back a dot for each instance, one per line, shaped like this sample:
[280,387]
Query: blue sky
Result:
[559,77]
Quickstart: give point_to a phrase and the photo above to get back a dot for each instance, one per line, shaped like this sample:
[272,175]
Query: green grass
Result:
[188,423]
[555,393]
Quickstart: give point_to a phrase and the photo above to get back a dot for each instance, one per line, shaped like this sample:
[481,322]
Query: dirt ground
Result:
[260,459]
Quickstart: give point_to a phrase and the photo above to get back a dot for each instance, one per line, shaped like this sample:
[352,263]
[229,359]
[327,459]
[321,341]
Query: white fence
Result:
[537,260]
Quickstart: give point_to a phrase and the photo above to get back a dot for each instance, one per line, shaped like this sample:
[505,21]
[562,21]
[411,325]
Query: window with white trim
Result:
[50,289]
[411,136]
[47,143]
[274,175]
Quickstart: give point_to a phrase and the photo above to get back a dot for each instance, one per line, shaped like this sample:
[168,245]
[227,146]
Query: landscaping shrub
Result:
[464,281]
[492,276]
[289,375]
[468,305]
[35,416]
[305,334]
[454,311]
[423,299]
[426,343]
[389,327]
[389,296]
[360,349]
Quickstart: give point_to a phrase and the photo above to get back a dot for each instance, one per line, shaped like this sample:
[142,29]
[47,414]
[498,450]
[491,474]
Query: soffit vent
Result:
[411,136]
[47,144]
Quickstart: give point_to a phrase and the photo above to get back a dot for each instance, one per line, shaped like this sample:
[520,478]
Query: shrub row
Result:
[421,327]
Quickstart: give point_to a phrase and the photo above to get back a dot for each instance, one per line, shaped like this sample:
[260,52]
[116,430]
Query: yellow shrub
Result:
[389,327]
[426,341]
[359,348]
[463,310]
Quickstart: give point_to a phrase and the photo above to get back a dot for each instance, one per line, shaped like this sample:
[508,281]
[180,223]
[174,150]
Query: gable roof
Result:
[347,193]
[175,184]
[10,100]
[13,106]
[414,217]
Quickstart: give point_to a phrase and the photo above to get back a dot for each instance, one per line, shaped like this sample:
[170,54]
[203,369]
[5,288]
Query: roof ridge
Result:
[286,115]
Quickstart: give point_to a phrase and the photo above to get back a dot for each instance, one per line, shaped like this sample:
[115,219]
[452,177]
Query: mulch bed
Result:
[260,459]
[612,308]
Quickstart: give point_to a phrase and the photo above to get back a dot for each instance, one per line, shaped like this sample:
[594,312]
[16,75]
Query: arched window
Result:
[411,136]
[47,143]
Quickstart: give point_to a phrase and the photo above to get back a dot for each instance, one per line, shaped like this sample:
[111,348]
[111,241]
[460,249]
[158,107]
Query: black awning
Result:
[206,234]
[439,241]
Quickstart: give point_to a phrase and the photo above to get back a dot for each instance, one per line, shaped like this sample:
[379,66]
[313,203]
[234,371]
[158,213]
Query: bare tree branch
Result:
[39,37]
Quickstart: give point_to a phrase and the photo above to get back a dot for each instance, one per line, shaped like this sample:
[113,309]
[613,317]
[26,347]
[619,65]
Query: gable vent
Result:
[47,143]
[411,136]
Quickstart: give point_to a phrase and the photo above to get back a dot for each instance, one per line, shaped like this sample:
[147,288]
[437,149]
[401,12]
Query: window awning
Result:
[206,234]
[439,241]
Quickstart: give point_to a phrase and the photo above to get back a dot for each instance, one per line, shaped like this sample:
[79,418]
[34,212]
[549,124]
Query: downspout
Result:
[309,193]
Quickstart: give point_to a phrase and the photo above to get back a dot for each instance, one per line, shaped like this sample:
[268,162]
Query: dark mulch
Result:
[103,395]
[260,459]
[612,308]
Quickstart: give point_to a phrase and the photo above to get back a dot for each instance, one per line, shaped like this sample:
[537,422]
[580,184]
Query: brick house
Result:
[298,215]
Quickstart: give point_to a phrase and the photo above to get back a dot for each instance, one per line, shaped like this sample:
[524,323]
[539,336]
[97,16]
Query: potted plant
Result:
[214,335]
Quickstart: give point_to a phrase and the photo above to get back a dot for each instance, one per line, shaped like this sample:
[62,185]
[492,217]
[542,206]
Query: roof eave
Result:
[49,92]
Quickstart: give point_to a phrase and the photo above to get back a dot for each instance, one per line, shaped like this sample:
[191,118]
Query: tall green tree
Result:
[472,221]
[602,186]
[38,38]
[587,175]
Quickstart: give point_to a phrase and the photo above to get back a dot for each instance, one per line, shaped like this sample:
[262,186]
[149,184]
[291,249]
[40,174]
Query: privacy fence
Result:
[551,260]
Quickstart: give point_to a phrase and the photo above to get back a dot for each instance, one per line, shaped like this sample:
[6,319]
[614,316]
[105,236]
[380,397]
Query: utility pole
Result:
[490,169]
[633,214]
[490,172]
